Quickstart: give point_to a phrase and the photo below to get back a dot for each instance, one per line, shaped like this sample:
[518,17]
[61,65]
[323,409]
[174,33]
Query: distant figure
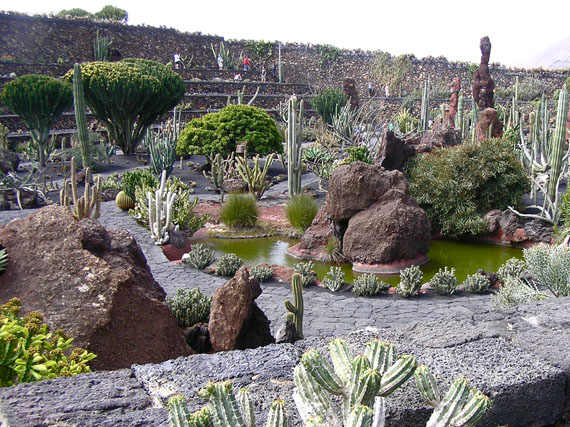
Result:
[370,90]
[263,75]
[237,77]
[220,62]
[273,70]
[387,90]
[176,61]
[246,63]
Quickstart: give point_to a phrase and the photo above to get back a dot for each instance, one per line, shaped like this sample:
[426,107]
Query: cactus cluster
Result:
[190,307]
[410,281]
[221,170]
[512,267]
[295,309]
[475,284]
[160,206]
[261,272]
[228,264]
[161,146]
[369,285]
[88,205]
[199,256]
[444,282]
[334,279]
[305,269]
[256,177]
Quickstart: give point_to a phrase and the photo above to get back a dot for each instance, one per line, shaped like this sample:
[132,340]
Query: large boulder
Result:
[356,186]
[393,228]
[439,137]
[9,160]
[394,152]
[236,322]
[94,284]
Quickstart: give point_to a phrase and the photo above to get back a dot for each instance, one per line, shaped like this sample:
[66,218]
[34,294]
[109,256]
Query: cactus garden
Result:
[287,245]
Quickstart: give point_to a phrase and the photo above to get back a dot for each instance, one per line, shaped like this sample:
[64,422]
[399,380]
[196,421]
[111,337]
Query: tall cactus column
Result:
[295,308]
[558,142]
[295,112]
[80,117]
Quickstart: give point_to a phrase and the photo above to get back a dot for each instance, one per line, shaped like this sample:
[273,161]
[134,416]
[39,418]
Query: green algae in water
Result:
[465,257]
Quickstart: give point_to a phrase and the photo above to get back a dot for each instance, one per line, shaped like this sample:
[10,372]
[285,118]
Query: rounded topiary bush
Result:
[456,186]
[220,132]
[239,211]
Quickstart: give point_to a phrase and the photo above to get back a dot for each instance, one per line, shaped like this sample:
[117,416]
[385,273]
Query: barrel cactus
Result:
[124,202]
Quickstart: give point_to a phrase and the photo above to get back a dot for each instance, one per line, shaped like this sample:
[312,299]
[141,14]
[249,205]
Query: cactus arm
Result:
[254,96]
[379,412]
[246,407]
[450,405]
[476,406]
[427,385]
[309,396]
[398,374]
[295,112]
[322,372]
[277,416]
[340,356]
[380,354]
[178,412]
[296,309]
[368,386]
[360,416]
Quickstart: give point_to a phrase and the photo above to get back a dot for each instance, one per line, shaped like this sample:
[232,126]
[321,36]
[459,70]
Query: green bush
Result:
[228,264]
[221,132]
[112,13]
[190,307]
[328,103]
[456,186]
[38,101]
[128,96]
[76,12]
[239,211]
[300,211]
[131,180]
[357,154]
[30,352]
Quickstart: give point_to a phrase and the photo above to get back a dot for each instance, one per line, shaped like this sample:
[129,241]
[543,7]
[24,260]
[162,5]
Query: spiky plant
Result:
[512,267]
[475,283]
[261,272]
[444,282]
[305,269]
[410,281]
[369,285]
[199,256]
[228,264]
[334,279]
[190,307]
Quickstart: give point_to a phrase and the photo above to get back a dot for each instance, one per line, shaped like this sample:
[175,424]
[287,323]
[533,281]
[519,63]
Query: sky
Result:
[517,29]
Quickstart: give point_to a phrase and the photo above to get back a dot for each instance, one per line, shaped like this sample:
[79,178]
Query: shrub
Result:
[261,272]
[444,282]
[512,267]
[357,154]
[550,267]
[190,307]
[76,12]
[112,13]
[475,284]
[328,103]
[334,279]
[305,269]
[457,185]
[128,96]
[131,180]
[199,257]
[410,281]
[514,292]
[221,132]
[228,265]
[300,211]
[38,101]
[369,285]
[239,211]
[30,352]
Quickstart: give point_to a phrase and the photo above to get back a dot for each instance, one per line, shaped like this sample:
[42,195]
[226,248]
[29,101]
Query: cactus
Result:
[361,381]
[475,283]
[161,146]
[305,269]
[410,281]
[461,406]
[228,265]
[160,206]
[424,117]
[295,111]
[444,282]
[295,309]
[557,146]
[80,117]
[368,285]
[256,176]
[199,257]
[88,205]
[334,279]
[4,136]
[261,272]
[512,267]
[220,170]
[240,97]
[190,307]
[459,117]
[3,259]
[123,201]
[101,46]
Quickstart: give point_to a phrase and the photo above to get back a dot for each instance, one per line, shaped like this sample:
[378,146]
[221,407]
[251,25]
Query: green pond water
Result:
[465,257]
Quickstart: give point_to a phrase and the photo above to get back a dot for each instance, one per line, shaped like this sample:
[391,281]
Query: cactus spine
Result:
[160,207]
[295,111]
[295,309]
[88,205]
[462,405]
[80,117]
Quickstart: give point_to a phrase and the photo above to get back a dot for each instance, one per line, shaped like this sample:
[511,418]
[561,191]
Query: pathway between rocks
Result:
[326,313]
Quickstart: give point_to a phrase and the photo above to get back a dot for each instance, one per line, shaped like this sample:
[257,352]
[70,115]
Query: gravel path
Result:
[325,313]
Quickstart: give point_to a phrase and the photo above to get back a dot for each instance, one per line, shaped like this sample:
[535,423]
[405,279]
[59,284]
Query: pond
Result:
[465,257]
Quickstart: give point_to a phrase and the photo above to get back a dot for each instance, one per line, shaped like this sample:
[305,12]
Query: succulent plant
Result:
[305,269]
[296,309]
[199,256]
[475,284]
[334,279]
[512,267]
[410,281]
[369,285]
[444,282]
[190,307]
[3,259]
[228,264]
[261,272]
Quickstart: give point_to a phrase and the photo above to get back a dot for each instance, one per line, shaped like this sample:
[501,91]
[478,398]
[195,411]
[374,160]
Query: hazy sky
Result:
[517,29]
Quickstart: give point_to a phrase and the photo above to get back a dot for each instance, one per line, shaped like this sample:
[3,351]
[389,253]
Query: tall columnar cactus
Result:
[461,406]
[459,117]
[160,205]
[240,97]
[161,145]
[362,382]
[425,107]
[220,170]
[295,111]
[255,177]
[4,136]
[558,143]
[88,205]
[81,117]
[295,309]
